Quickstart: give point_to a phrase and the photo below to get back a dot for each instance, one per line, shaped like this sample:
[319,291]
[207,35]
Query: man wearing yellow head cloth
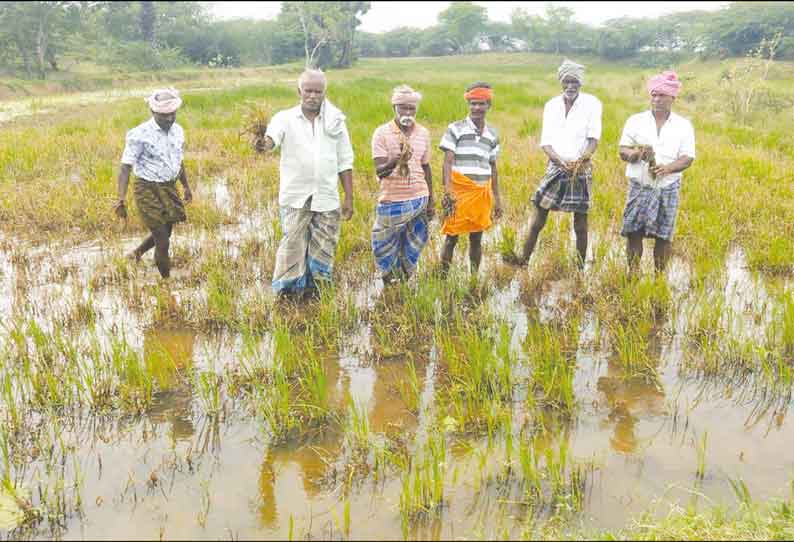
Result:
[471,178]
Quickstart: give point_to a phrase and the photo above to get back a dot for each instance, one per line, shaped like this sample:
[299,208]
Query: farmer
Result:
[154,152]
[315,154]
[401,152]
[658,145]
[569,137]
[471,179]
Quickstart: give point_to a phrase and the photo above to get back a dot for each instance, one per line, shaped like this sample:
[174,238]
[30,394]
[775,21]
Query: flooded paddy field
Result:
[540,402]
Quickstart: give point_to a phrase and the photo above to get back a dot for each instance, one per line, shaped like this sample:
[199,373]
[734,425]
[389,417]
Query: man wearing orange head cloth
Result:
[471,179]
[658,145]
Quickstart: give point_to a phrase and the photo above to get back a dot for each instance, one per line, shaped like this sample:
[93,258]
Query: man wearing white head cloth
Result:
[154,152]
[569,137]
[401,153]
[316,156]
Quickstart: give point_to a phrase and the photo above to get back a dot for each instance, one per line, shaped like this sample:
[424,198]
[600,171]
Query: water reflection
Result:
[293,474]
[630,397]
[168,356]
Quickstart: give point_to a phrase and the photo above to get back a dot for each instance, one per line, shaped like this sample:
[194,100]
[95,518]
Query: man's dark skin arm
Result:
[188,195]
[497,210]
[384,166]
[446,171]
[430,210]
[346,177]
[123,182]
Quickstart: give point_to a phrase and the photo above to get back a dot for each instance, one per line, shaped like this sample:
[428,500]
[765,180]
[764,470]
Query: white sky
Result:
[385,16]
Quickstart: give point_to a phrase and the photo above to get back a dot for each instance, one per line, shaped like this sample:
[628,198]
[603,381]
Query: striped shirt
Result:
[474,153]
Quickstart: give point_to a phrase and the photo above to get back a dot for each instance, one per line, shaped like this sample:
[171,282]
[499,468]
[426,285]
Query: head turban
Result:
[479,93]
[571,68]
[164,101]
[665,83]
[405,95]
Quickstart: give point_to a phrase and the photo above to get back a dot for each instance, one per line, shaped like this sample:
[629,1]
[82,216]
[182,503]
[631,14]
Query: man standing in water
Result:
[154,152]
[316,154]
[569,137]
[658,145]
[401,152]
[471,178]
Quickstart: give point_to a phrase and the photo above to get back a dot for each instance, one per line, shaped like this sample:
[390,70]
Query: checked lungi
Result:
[399,235]
[558,192]
[651,210]
[158,203]
[306,251]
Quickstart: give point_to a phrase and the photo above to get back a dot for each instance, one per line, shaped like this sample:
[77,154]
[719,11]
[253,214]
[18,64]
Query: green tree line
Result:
[39,38]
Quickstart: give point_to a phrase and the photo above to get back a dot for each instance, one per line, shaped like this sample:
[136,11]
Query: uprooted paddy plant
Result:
[543,402]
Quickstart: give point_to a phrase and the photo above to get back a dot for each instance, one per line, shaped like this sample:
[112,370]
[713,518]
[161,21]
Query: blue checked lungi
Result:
[399,235]
[306,251]
[557,192]
[651,210]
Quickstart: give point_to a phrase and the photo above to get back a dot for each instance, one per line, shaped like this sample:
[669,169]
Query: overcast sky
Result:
[385,16]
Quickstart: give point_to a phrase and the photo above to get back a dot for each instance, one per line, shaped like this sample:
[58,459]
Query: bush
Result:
[140,56]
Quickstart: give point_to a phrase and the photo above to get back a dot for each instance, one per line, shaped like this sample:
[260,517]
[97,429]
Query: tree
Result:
[462,22]
[531,28]
[401,42]
[624,37]
[148,20]
[33,29]
[328,29]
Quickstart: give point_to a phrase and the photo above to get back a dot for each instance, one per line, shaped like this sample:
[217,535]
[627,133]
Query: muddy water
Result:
[176,472]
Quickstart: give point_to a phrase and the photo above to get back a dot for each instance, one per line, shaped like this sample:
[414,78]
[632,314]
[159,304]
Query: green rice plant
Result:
[312,385]
[507,241]
[632,349]
[705,320]
[209,393]
[552,369]
[136,384]
[423,483]
[357,430]
[408,388]
[783,325]
[480,379]
[274,405]
[530,472]
[741,491]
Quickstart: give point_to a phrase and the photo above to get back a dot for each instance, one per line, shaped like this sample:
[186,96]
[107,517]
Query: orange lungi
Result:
[473,205]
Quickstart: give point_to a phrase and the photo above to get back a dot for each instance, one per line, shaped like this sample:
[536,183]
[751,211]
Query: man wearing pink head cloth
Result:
[401,152]
[658,145]
[154,152]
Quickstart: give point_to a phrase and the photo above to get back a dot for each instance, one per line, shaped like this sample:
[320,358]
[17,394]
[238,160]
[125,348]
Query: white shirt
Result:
[155,155]
[674,140]
[312,156]
[568,135]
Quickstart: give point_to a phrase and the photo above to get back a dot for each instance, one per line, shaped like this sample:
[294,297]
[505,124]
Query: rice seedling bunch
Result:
[255,122]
